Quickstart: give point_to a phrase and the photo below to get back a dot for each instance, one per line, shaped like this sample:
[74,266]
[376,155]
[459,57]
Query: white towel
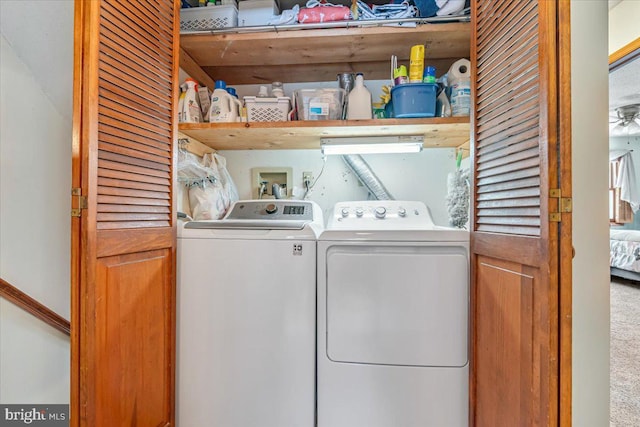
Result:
[627,183]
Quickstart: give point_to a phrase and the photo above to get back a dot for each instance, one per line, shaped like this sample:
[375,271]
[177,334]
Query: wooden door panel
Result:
[504,341]
[123,290]
[514,242]
[133,349]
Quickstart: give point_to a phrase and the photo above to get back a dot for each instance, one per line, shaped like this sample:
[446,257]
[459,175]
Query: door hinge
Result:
[565,205]
[81,202]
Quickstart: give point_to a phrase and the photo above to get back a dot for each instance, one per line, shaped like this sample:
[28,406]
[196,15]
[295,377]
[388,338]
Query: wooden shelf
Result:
[437,132]
[314,55]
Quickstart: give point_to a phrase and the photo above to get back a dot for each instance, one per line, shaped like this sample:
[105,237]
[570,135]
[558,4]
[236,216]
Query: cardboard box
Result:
[256,12]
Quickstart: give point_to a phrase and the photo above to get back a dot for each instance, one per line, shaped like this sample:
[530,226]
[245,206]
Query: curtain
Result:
[626,180]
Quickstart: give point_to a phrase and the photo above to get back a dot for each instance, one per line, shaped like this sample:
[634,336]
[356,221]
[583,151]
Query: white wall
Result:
[590,213]
[421,176]
[624,24]
[35,182]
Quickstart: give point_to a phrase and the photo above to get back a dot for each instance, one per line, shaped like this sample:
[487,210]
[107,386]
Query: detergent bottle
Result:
[191,106]
[221,102]
[236,106]
[359,106]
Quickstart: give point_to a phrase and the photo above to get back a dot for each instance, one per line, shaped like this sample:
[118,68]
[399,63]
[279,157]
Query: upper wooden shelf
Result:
[437,132]
[314,55]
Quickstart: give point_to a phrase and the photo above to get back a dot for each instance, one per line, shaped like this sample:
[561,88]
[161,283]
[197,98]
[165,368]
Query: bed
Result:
[625,253]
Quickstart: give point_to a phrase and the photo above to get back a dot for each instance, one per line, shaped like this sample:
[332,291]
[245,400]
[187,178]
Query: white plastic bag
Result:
[206,199]
[219,164]
[206,196]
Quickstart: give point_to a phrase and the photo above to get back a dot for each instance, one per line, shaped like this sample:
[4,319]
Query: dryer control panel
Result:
[381,214]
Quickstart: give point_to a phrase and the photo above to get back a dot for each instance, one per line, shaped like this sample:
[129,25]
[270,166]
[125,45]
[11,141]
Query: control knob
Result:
[271,208]
[381,212]
[402,212]
[359,212]
[345,212]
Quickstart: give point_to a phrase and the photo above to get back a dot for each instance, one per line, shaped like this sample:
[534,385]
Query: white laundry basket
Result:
[208,18]
[267,109]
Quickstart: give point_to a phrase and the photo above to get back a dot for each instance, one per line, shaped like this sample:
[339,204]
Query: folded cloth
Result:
[427,8]
[449,7]
[289,16]
[387,11]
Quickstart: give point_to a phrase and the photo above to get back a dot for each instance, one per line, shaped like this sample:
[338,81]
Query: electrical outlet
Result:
[307,177]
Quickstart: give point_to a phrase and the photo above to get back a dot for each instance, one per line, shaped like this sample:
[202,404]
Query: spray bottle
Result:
[191,108]
[416,64]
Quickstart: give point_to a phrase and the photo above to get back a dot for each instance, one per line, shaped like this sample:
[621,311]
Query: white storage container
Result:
[256,12]
[208,18]
[267,109]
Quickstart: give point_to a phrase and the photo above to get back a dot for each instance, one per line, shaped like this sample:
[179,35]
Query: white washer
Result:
[246,316]
[393,304]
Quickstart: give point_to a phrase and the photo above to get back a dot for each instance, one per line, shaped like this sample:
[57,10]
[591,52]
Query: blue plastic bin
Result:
[414,100]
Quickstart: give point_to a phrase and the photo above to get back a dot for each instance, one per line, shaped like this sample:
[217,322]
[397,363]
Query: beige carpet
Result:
[625,354]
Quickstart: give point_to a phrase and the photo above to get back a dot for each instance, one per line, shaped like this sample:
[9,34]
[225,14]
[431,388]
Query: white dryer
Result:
[246,316]
[393,304]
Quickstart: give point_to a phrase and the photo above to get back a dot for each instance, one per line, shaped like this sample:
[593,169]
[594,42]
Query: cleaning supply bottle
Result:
[191,105]
[236,106]
[416,64]
[220,110]
[359,106]
[459,77]
[183,90]
[429,74]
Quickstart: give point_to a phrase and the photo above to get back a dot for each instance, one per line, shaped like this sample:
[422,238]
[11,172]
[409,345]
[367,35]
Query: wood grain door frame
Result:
[624,55]
[565,265]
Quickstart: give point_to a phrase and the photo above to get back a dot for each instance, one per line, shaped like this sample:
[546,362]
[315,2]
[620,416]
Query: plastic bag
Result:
[219,164]
[206,199]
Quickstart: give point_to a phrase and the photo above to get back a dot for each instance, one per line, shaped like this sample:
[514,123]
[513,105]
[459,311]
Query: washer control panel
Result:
[380,214]
[271,210]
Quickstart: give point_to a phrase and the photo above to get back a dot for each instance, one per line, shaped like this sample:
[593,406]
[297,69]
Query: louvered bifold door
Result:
[123,297]
[513,242]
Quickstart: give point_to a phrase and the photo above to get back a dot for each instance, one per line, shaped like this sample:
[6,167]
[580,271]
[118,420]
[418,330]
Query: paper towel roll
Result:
[460,70]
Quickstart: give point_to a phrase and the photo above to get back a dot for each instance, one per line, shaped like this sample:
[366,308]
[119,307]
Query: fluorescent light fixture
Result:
[371,145]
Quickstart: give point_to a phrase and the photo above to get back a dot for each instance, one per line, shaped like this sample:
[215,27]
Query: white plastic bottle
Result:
[220,110]
[277,89]
[461,98]
[191,108]
[183,90]
[359,106]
